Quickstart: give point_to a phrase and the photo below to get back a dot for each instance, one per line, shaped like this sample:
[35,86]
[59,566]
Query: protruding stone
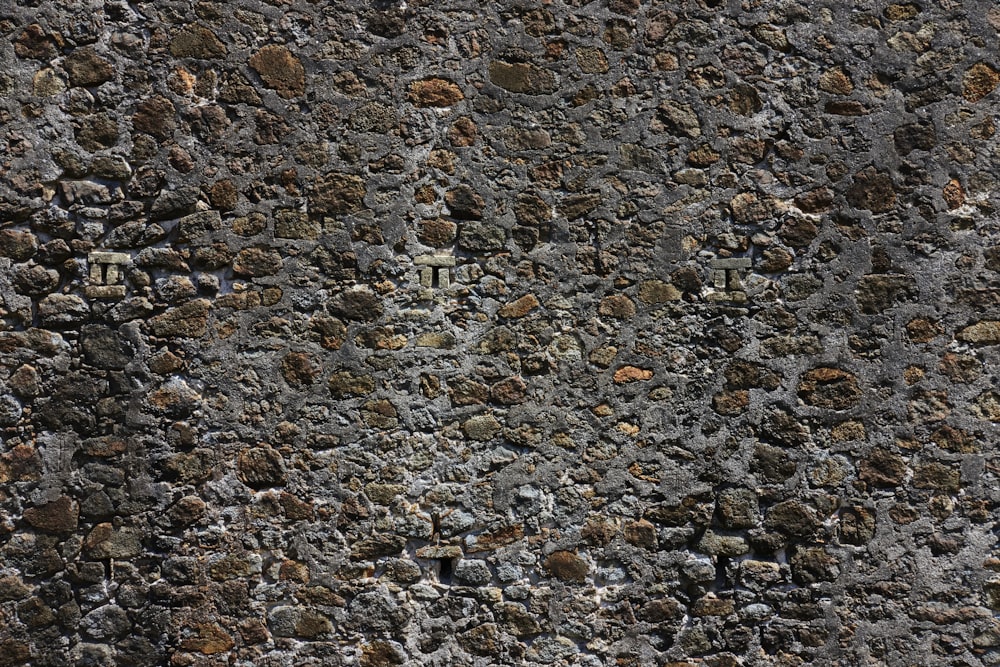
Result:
[979,81]
[830,388]
[261,467]
[86,68]
[481,427]
[280,70]
[986,332]
[59,516]
[435,92]
[196,41]
[520,307]
[567,566]
[524,78]
[189,320]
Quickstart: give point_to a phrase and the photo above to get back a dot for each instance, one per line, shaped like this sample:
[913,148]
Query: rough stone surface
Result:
[499,333]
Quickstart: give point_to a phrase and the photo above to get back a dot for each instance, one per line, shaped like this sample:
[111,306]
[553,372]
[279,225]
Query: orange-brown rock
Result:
[520,307]
[567,566]
[280,69]
[435,92]
[627,374]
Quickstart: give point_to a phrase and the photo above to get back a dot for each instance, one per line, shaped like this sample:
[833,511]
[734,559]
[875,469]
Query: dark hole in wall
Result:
[446,570]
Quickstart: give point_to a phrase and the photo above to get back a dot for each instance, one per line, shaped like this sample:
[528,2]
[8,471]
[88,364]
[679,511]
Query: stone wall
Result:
[515,333]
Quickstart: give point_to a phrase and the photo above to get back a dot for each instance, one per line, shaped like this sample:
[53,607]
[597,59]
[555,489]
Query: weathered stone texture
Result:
[499,333]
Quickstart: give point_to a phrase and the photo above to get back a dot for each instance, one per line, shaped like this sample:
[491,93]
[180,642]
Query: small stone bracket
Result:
[106,277]
[726,282]
[436,270]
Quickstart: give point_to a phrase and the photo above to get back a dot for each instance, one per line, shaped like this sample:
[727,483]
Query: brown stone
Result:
[676,118]
[815,201]
[261,467]
[748,208]
[336,193]
[34,42]
[59,516]
[988,405]
[845,108]
[774,260]
[813,564]
[25,381]
[742,374]
[711,605]
[938,477]
[901,11]
[836,81]
[223,195]
[312,624]
[86,68]
[731,402]
[462,132]
[257,261]
[104,541]
[908,138]
[187,510]
[380,338]
[209,640]
[986,332]
[877,293]
[640,533]
[380,654]
[14,652]
[829,388]
[463,391]
[772,36]
[872,190]
[13,588]
[954,439]
[380,414]
[497,538]
[618,306]
[293,224]
[17,245]
[481,427]
[524,78]
[928,406]
[953,194]
[435,92]
[299,369]
[532,210]
[437,232]
[591,60]
[744,99]
[155,116]
[567,566]
[196,41]
[443,340]
[186,321]
[280,70]
[357,304]
[464,203]
[960,367]
[627,374]
[657,292]
[923,331]
[511,391]
[979,81]
[657,611]
[574,207]
[738,508]
[792,518]
[882,468]
[520,307]
[344,384]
